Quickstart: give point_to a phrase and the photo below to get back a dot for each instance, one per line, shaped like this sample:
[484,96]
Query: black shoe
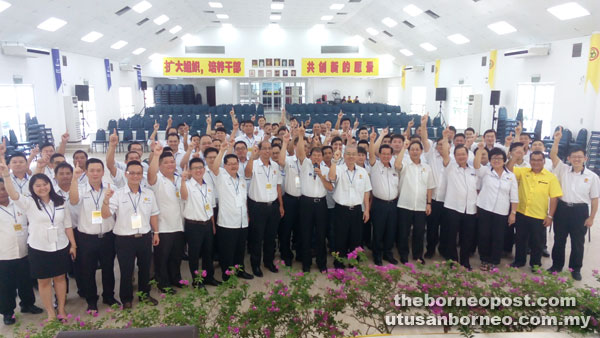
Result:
[576,275]
[257,271]
[31,309]
[515,265]
[151,300]
[306,269]
[127,305]
[377,261]
[421,260]
[212,281]
[390,259]
[272,268]
[92,307]
[288,262]
[545,253]
[323,269]
[429,254]
[244,275]
[403,259]
[9,320]
[552,269]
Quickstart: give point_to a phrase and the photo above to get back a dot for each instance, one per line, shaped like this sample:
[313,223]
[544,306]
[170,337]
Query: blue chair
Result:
[127,138]
[100,139]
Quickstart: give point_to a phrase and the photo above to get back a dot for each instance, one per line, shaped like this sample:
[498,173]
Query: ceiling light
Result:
[222,16]
[215,5]
[275,17]
[326,17]
[138,51]
[277,6]
[428,47]
[154,56]
[273,26]
[502,27]
[357,39]
[569,10]
[161,19]
[412,10]
[389,22]
[4,5]
[142,6]
[458,39]
[91,36]
[336,7]
[227,25]
[52,24]
[406,52]
[119,44]
[372,31]
[175,29]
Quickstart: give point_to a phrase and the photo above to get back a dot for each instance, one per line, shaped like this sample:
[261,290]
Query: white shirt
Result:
[497,192]
[123,166]
[21,185]
[461,189]
[579,187]
[436,162]
[291,181]
[74,212]
[121,181]
[13,232]
[83,180]
[168,197]
[199,205]
[211,180]
[242,172]
[250,141]
[385,181]
[178,156]
[351,185]
[312,186]
[233,212]
[90,201]
[46,226]
[47,170]
[125,204]
[415,180]
[265,178]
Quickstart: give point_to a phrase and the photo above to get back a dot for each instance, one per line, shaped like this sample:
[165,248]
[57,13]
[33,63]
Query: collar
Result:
[582,170]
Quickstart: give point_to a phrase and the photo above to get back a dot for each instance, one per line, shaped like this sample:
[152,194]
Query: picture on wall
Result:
[277,73]
[277,62]
[269,73]
[261,63]
[261,73]
[291,63]
[269,62]
[293,72]
[285,71]
[284,63]
[252,73]
[254,63]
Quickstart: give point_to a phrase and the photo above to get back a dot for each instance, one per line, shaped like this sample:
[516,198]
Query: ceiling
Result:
[470,18]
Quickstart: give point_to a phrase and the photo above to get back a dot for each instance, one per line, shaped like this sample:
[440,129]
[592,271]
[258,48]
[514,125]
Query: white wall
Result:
[198,83]
[354,87]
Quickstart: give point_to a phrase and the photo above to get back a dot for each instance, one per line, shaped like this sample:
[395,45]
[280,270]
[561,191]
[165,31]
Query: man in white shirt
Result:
[117,174]
[173,141]
[248,135]
[137,215]
[352,187]
[241,151]
[18,167]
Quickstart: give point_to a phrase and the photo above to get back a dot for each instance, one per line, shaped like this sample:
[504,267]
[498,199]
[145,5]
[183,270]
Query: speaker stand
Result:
[494,118]
[83,123]
[441,116]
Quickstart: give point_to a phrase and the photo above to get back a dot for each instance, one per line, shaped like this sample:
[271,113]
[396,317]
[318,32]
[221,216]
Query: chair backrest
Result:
[581,136]
[127,135]
[140,134]
[100,135]
[13,138]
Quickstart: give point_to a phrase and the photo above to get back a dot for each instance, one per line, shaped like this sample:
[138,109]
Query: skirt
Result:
[45,264]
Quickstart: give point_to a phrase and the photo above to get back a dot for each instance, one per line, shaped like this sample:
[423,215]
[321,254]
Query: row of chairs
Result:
[174,94]
[128,137]
[203,109]
[347,108]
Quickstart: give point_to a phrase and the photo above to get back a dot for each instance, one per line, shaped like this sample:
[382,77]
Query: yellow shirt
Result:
[535,190]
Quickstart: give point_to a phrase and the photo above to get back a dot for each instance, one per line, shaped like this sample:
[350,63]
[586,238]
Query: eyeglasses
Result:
[497,158]
[577,157]
[134,173]
[197,168]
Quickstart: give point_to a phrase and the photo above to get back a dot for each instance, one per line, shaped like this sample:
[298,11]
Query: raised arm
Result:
[217,163]
[424,134]
[332,171]
[282,122]
[188,153]
[300,151]
[185,175]
[113,140]
[186,132]
[153,168]
[32,155]
[63,143]
[445,147]
[8,184]
[339,120]
[554,151]
[398,164]
[477,160]
[508,141]
[250,165]
[106,202]
[209,124]
[154,131]
[408,129]
[284,145]
[74,190]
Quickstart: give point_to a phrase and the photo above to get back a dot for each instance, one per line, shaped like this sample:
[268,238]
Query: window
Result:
[459,106]
[126,102]
[15,102]
[536,100]
[149,97]
[89,108]
[273,95]
[418,100]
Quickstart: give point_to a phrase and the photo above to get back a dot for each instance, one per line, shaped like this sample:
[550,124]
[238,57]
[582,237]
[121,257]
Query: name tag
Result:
[268,186]
[136,221]
[177,194]
[297,181]
[207,207]
[96,217]
[18,227]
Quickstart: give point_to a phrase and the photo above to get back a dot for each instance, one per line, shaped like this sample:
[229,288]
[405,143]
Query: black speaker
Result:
[495,98]
[144,85]
[440,94]
[82,92]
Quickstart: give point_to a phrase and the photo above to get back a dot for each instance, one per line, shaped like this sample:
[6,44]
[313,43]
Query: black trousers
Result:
[529,231]
[417,219]
[167,259]
[384,215]
[509,238]
[77,269]
[436,232]
[491,229]
[262,231]
[91,251]
[347,230]
[232,246]
[569,221]
[313,217]
[15,278]
[129,248]
[200,238]
[463,225]
[289,224]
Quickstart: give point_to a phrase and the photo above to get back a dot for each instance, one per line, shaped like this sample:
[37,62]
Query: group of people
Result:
[275,186]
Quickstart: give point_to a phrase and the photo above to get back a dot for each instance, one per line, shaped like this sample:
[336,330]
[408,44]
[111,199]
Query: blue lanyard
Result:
[97,201]
[135,205]
[236,187]
[81,178]
[14,214]
[204,194]
[48,213]
[267,171]
[211,178]
[353,175]
[15,179]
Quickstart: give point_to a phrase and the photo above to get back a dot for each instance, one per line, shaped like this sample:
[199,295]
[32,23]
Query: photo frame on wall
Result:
[285,72]
[254,63]
[269,73]
[284,63]
[293,72]
[291,62]
[269,62]
[252,73]
[277,73]
[261,63]
[261,73]
[277,63]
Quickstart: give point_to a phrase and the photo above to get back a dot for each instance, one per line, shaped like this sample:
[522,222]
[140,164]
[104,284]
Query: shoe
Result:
[421,260]
[552,269]
[306,269]
[515,265]
[272,268]
[212,282]
[506,254]
[9,320]
[151,300]
[429,254]
[256,271]
[244,275]
[403,259]
[378,261]
[545,253]
[288,262]
[390,259]
[484,267]
[169,291]
[92,307]
[576,275]
[31,309]
[111,301]
[127,305]
[322,269]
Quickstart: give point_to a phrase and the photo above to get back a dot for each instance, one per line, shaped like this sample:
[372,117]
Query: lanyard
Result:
[14,213]
[298,166]
[97,200]
[353,174]
[135,205]
[250,142]
[16,180]
[174,182]
[48,213]
[204,193]
[211,178]
[81,178]
[267,171]
[236,187]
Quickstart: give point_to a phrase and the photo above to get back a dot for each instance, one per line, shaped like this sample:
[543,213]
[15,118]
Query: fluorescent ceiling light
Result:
[142,6]
[336,7]
[138,51]
[91,36]
[175,29]
[357,39]
[222,16]
[412,10]
[389,22]
[161,19]
[52,24]
[569,10]
[275,17]
[458,39]
[119,44]
[277,6]
[372,31]
[326,17]
[215,5]
[154,56]
[428,47]
[406,52]
[4,5]
[502,27]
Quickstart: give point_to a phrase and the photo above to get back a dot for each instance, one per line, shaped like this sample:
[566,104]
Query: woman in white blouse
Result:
[50,234]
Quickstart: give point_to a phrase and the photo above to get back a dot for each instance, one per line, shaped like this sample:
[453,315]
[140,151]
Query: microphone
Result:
[315,166]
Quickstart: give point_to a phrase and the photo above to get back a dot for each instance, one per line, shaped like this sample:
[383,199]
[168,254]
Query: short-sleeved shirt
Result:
[199,204]
[535,190]
[579,187]
[311,185]
[46,225]
[125,204]
[90,201]
[385,181]
[233,211]
[264,181]
[351,185]
[461,189]
[415,180]
[168,197]
[497,192]
[13,232]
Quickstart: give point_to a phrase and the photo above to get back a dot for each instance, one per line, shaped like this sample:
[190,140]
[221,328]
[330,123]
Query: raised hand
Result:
[356,123]
[340,115]
[253,118]
[209,120]
[186,128]
[509,138]
[406,144]
[411,123]
[64,137]
[373,135]
[109,193]
[232,112]
[3,147]
[301,131]
[480,145]
[169,122]
[185,175]
[156,126]
[424,119]
[385,131]
[446,133]
[519,128]
[77,172]
[558,134]
[35,151]
[113,139]
[286,136]
[224,146]
[3,169]
[158,148]
[337,155]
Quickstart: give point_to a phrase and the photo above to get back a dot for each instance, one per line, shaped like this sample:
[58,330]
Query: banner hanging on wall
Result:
[593,70]
[437,73]
[340,67]
[139,76]
[492,73]
[200,67]
[107,72]
[403,77]
[56,68]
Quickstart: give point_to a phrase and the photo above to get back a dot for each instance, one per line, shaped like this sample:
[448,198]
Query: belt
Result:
[313,199]
[268,204]
[394,201]
[350,207]
[572,204]
[291,196]
[197,222]
[101,235]
[135,235]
